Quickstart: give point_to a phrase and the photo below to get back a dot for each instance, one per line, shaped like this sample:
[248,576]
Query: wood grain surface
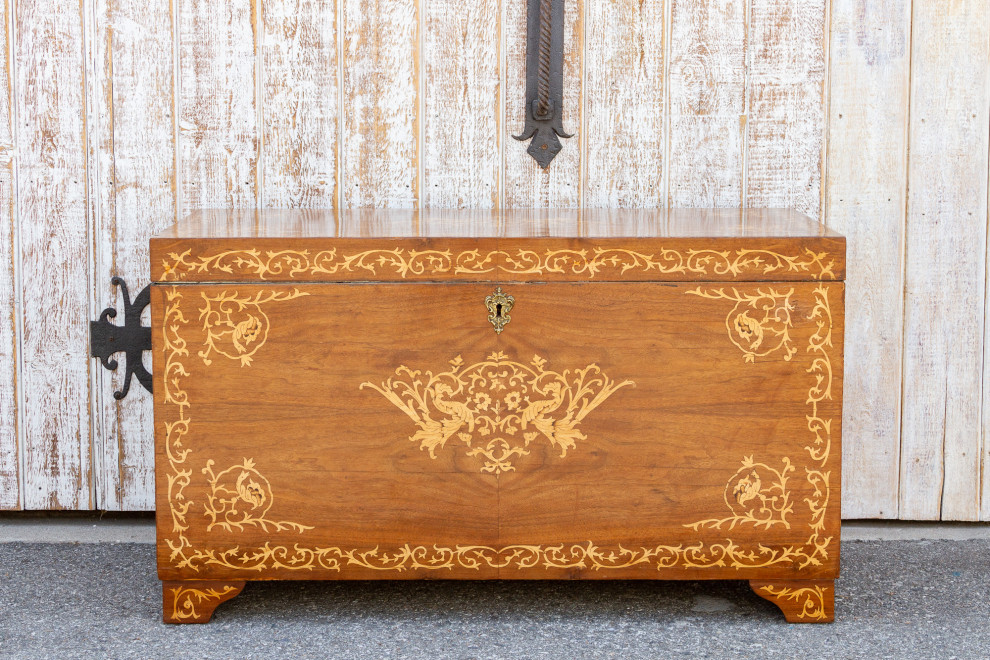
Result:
[219,135]
[708,102]
[624,116]
[801,601]
[299,103]
[462,118]
[985,474]
[381,82]
[697,435]
[944,311]
[194,601]
[866,196]
[785,142]
[9,454]
[132,166]
[54,231]
[385,246]
[316,103]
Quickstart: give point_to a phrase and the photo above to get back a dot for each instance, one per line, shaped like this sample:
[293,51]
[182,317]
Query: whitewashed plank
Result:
[461,121]
[134,177]
[985,413]
[299,103]
[707,90]
[946,252]
[624,140]
[54,244]
[866,193]
[525,184]
[10,493]
[786,126]
[380,160]
[219,140]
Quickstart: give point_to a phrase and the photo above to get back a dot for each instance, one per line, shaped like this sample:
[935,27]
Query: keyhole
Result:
[498,310]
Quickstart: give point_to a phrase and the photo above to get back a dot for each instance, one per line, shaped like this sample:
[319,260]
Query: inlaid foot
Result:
[801,601]
[193,601]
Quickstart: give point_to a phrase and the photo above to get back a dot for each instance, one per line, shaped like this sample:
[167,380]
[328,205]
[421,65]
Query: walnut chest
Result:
[593,395]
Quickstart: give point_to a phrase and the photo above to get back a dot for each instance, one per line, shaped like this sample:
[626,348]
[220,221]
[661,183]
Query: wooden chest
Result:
[593,395]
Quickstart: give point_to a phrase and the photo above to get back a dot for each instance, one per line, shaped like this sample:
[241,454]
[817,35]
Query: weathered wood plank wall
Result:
[119,115]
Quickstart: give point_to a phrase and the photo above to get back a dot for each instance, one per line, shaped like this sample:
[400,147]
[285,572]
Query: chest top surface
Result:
[493,246]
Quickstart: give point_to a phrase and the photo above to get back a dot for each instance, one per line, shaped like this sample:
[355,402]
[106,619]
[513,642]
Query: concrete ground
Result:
[923,598]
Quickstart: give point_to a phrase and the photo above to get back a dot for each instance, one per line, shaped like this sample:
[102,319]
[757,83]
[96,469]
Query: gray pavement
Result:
[896,599]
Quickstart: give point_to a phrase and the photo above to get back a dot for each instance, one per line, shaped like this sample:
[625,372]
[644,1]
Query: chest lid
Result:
[727,245]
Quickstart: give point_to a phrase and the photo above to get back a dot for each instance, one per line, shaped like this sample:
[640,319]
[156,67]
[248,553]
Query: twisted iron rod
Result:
[543,82]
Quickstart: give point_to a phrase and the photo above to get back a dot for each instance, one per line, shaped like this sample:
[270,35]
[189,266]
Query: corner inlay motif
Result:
[240,497]
[235,324]
[498,406]
[760,323]
[185,600]
[811,599]
[756,494]
[586,555]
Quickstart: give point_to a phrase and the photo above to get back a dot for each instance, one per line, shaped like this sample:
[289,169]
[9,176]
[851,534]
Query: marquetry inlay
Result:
[402,263]
[497,407]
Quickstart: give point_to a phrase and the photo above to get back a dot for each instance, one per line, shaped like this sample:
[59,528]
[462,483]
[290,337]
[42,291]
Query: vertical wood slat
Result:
[461,149]
[985,411]
[381,75]
[865,200]
[946,261]
[134,163]
[299,103]
[54,254]
[624,104]
[10,494]
[525,184]
[219,138]
[707,83]
[786,126]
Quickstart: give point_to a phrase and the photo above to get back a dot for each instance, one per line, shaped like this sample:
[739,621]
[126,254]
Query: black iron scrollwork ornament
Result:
[132,338]
[544,80]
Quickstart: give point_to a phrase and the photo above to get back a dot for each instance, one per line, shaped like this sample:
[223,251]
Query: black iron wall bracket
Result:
[131,339]
[544,80]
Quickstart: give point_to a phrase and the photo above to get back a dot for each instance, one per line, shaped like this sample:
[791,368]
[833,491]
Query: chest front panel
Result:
[612,429]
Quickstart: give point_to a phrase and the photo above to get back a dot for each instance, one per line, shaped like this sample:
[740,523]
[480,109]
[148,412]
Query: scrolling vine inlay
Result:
[240,497]
[186,600]
[757,494]
[760,323]
[403,263]
[488,405]
[235,324]
[811,599]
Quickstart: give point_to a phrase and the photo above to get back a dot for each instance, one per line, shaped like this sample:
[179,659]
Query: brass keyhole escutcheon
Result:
[499,305]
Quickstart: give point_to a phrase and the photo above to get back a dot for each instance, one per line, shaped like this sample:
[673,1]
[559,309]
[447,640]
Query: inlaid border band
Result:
[576,264]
